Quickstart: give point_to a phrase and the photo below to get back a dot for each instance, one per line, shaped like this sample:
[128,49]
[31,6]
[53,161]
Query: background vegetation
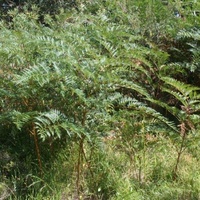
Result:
[100,100]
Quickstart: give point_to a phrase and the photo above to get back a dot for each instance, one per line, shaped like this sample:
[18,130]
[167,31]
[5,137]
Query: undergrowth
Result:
[99,100]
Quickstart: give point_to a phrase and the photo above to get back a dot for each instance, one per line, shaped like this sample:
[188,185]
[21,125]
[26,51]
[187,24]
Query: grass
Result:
[109,172]
[112,175]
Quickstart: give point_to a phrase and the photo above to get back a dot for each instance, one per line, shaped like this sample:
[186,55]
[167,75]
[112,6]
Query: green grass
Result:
[116,177]
[111,173]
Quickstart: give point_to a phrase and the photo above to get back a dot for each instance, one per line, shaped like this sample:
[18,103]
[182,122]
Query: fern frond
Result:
[143,109]
[55,124]
[185,89]
[173,110]
[194,34]
[182,99]
[112,51]
[132,86]
[21,119]
[50,124]
[38,73]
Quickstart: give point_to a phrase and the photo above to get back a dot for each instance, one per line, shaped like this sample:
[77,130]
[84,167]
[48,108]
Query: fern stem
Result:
[183,134]
[34,133]
[87,161]
[80,155]
[79,167]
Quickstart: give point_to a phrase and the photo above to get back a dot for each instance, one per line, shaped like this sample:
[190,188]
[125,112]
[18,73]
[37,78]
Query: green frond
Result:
[55,124]
[192,38]
[20,119]
[195,119]
[185,89]
[39,74]
[165,70]
[132,86]
[182,99]
[51,124]
[112,51]
[194,34]
[153,113]
[146,111]
[173,110]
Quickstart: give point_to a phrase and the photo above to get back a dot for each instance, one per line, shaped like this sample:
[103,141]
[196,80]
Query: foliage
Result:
[98,104]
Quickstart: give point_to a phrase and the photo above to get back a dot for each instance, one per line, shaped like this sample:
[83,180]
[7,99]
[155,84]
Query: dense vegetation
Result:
[100,100]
